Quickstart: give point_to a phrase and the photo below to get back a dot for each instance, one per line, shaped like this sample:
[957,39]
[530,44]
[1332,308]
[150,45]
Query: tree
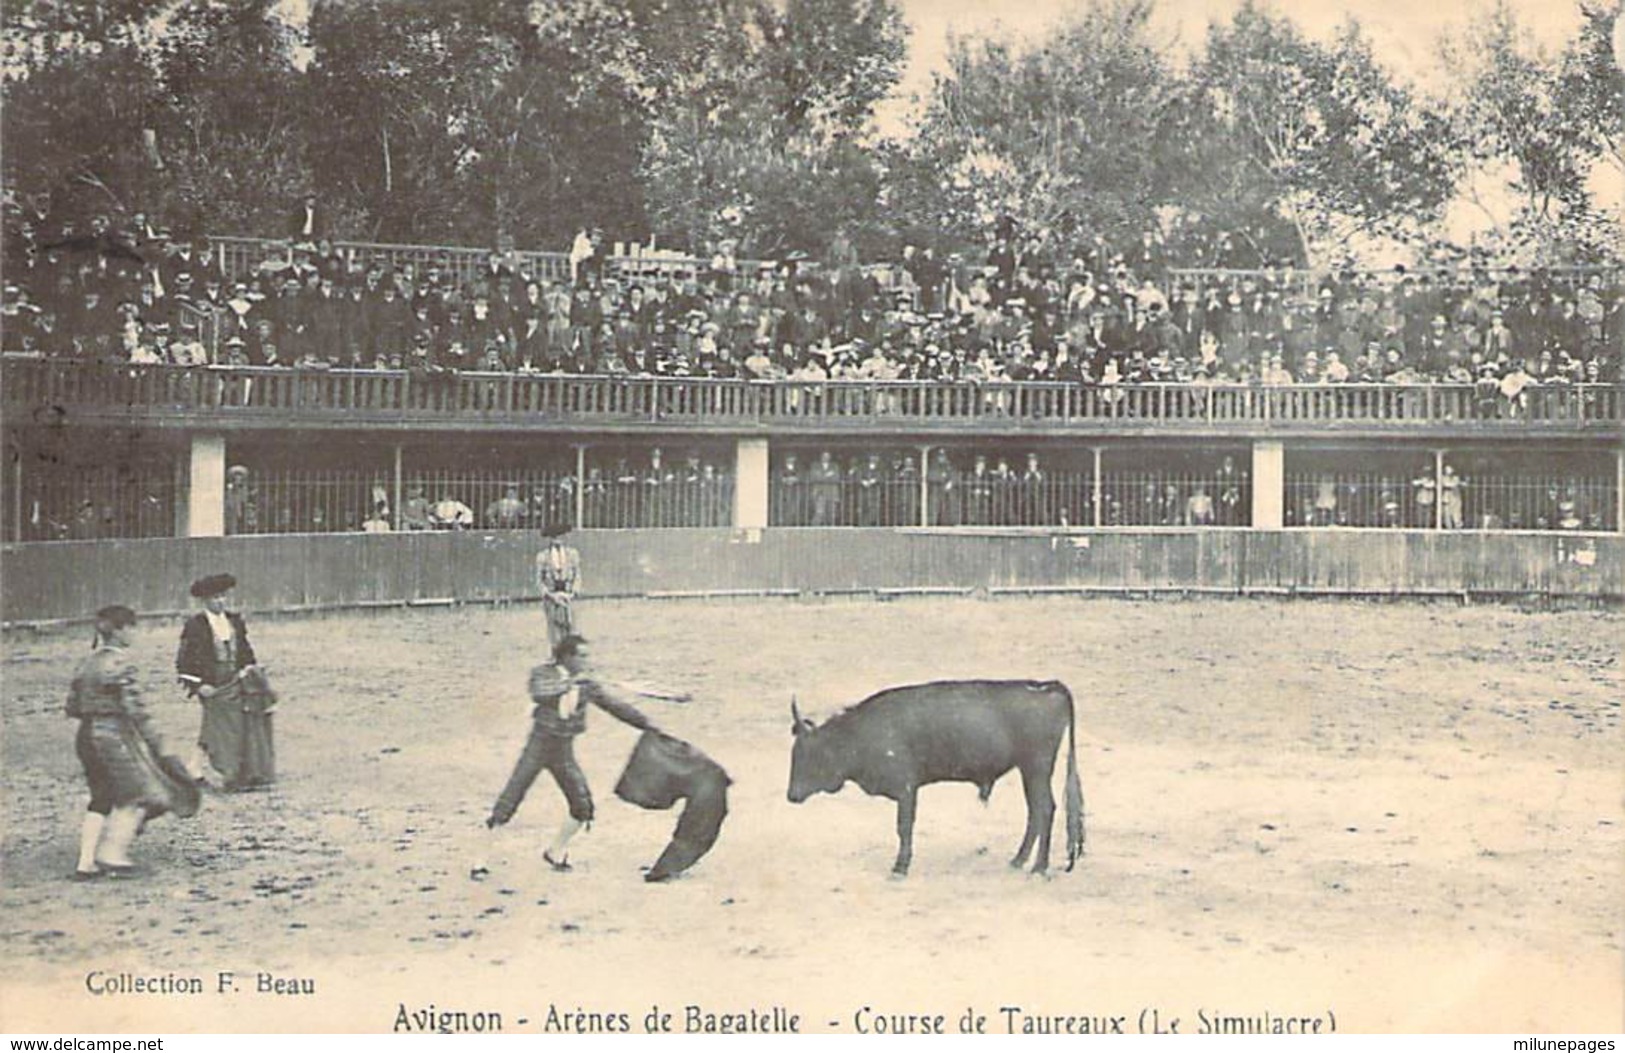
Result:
[1552,118]
[759,115]
[1324,136]
[231,130]
[1069,137]
[80,94]
[476,120]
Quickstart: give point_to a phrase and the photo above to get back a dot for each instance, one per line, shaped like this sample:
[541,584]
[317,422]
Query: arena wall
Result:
[68,580]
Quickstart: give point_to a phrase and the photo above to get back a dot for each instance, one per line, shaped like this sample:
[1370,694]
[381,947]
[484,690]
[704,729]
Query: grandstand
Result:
[919,399]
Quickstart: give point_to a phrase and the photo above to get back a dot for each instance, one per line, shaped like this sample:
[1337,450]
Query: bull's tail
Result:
[1074,788]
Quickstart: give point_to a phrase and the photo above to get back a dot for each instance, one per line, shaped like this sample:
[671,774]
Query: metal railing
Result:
[290,395]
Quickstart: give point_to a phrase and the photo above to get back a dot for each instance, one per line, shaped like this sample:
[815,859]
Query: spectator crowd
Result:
[1104,315]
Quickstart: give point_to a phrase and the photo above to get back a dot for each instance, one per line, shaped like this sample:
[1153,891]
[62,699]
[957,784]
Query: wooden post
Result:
[1098,482]
[181,497]
[925,486]
[1438,489]
[17,496]
[1619,490]
[581,485]
[399,492]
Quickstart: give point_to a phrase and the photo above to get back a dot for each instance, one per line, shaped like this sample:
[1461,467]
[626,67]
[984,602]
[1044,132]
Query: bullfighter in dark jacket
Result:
[662,770]
[216,665]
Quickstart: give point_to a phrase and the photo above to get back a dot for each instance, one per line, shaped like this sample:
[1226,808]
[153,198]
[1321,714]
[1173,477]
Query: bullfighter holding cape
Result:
[662,769]
[131,777]
[217,666]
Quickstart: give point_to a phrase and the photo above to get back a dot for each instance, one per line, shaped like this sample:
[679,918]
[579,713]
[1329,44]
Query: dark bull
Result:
[974,731]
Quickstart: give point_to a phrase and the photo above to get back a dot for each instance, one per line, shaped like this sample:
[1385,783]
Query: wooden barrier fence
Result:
[70,580]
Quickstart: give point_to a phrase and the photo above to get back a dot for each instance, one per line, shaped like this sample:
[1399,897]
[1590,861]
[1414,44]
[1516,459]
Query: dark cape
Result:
[664,770]
[237,723]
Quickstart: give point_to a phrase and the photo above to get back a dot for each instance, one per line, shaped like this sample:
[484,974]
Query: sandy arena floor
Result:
[1390,817]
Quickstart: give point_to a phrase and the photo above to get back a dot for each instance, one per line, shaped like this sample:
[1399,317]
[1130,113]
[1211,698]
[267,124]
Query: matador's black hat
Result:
[213,585]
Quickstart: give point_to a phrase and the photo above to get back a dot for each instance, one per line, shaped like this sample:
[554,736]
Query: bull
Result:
[974,731]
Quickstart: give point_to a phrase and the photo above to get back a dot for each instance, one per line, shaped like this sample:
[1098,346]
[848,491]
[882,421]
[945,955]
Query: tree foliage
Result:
[469,119]
[759,114]
[694,121]
[1326,138]
[1071,136]
[1552,117]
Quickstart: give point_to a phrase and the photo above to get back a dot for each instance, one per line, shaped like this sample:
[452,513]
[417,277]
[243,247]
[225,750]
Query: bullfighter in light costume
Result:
[558,574]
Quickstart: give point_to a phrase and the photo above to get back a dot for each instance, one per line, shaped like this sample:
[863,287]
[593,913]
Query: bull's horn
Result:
[795,711]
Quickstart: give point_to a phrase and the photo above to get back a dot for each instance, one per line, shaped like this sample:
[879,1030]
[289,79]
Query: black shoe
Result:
[561,865]
[87,875]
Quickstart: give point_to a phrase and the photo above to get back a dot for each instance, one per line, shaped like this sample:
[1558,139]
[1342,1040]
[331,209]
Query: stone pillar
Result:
[206,487]
[750,484]
[1269,484]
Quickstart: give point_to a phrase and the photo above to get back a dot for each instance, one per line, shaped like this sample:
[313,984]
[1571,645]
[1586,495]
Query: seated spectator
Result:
[448,513]
[377,521]
[506,512]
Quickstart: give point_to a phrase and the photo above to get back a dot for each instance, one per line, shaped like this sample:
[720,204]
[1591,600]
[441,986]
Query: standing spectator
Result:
[307,225]
[979,493]
[1199,509]
[415,509]
[943,490]
[871,485]
[825,485]
[1036,500]
[657,494]
[391,325]
[582,251]
[1450,504]
[586,319]
[789,498]
[905,492]
[1532,327]
[1499,340]
[506,512]
[1231,484]
[239,498]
